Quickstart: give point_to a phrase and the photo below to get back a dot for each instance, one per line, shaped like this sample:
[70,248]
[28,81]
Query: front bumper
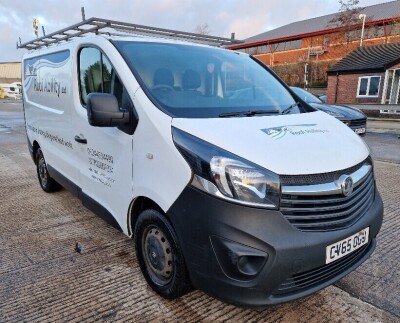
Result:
[357,125]
[284,262]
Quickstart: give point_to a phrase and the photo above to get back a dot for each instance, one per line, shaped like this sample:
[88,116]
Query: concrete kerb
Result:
[384,119]
[387,161]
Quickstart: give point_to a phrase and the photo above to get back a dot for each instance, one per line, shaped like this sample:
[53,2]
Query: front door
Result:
[392,94]
[395,93]
[105,154]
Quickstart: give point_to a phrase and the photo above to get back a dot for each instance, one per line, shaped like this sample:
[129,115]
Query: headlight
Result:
[226,175]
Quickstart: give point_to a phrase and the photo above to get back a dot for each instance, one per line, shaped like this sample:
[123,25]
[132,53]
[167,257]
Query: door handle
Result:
[80,140]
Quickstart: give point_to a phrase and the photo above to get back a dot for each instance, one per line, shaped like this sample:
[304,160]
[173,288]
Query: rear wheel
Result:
[47,183]
[159,255]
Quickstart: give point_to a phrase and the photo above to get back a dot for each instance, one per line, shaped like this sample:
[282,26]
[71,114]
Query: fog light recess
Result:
[237,260]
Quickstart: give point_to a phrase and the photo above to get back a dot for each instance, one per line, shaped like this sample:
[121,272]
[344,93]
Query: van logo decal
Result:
[49,82]
[346,184]
[295,130]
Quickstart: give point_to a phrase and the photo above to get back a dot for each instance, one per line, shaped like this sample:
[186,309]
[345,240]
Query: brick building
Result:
[368,75]
[320,43]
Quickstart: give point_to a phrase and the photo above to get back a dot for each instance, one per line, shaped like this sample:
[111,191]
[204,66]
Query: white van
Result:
[225,179]
[12,90]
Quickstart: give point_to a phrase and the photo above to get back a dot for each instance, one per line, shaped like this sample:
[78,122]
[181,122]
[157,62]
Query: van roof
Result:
[111,28]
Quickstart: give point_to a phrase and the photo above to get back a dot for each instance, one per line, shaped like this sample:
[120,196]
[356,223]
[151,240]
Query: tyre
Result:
[159,255]
[47,183]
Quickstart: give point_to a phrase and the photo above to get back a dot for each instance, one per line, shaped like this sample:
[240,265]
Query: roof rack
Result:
[94,25]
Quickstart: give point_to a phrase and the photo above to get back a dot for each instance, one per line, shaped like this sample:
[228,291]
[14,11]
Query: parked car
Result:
[350,116]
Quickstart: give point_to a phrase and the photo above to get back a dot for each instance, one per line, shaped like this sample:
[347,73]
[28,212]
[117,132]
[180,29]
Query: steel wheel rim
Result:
[42,171]
[158,255]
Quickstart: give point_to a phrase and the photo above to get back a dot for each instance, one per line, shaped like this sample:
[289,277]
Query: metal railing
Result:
[111,27]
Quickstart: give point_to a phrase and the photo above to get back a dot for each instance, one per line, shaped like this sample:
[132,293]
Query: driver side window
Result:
[96,74]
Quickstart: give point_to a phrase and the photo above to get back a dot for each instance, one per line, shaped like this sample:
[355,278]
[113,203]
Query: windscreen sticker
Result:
[294,130]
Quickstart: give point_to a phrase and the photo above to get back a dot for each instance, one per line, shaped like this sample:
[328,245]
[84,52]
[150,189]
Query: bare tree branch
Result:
[203,29]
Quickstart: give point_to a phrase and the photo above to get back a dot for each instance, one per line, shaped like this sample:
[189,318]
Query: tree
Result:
[348,13]
[94,81]
[203,29]
[348,19]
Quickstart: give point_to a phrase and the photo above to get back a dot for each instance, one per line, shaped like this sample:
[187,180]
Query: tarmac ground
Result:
[44,278]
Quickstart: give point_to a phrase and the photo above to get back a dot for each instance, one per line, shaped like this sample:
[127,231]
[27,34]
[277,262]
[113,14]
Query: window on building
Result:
[353,35]
[277,47]
[393,28]
[368,86]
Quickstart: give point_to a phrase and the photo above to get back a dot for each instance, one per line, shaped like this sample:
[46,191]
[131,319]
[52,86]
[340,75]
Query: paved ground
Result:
[384,126]
[384,140]
[42,277]
[384,146]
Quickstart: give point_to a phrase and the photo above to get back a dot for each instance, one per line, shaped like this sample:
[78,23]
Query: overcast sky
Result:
[244,17]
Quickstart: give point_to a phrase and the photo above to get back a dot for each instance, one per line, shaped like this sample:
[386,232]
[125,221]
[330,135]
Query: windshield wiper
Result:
[289,108]
[248,113]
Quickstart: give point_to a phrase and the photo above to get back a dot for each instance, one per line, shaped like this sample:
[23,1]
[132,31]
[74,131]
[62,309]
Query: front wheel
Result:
[159,255]
[47,183]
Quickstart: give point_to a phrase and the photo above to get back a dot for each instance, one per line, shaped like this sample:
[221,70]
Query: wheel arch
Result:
[138,205]
[35,147]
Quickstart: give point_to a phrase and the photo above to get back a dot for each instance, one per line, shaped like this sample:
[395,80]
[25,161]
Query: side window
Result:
[89,72]
[96,74]
[111,82]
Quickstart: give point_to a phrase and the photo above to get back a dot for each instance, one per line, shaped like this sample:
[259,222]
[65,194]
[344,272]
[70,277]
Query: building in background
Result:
[302,52]
[10,80]
[10,72]
[368,75]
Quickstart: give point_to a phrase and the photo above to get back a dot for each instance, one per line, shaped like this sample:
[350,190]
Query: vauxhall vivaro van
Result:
[225,179]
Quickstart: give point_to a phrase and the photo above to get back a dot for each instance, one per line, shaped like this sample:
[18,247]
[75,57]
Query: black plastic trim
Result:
[30,148]
[87,201]
[64,181]
[198,217]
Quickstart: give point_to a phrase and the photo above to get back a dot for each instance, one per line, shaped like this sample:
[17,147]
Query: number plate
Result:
[360,130]
[343,247]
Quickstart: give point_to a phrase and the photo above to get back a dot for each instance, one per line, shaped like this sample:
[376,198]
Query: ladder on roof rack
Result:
[94,25]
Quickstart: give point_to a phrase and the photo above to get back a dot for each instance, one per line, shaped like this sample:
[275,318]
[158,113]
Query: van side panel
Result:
[47,89]
[143,164]
[160,172]
[146,164]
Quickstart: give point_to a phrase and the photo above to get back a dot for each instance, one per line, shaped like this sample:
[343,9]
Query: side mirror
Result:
[103,111]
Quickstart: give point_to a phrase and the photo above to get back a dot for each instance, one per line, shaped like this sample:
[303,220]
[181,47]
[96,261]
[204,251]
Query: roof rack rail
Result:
[94,25]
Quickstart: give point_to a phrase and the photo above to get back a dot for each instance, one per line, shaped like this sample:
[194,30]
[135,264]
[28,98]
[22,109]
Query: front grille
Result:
[328,212]
[313,179]
[317,276]
[358,123]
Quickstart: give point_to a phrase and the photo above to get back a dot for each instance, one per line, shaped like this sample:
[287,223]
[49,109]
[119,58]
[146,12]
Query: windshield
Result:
[202,82]
[306,96]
